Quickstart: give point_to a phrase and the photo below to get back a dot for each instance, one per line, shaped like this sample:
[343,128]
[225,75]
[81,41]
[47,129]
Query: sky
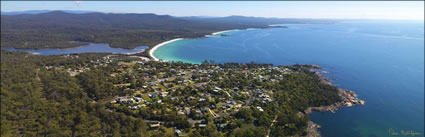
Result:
[406,10]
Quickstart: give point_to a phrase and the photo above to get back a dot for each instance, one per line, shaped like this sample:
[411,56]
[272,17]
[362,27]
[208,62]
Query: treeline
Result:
[58,29]
[40,102]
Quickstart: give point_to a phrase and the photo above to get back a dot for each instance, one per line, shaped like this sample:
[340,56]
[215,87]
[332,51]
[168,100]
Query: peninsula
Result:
[102,94]
[106,94]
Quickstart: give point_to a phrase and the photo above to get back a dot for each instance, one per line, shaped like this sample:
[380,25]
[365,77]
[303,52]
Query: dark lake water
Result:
[90,48]
[382,61]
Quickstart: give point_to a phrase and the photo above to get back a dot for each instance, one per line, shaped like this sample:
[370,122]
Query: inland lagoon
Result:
[90,48]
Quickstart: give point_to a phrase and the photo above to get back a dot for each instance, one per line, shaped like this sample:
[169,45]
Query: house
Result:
[181,112]
[113,101]
[138,99]
[130,100]
[267,99]
[198,112]
[202,125]
[260,109]
[262,95]
[123,100]
[221,126]
[238,105]
[187,110]
[244,93]
[179,133]
[135,107]
[201,100]
[154,125]
[233,103]
[153,95]
[164,94]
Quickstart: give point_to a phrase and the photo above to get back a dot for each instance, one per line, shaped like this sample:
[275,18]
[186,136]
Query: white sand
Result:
[159,45]
[166,42]
[274,25]
[216,33]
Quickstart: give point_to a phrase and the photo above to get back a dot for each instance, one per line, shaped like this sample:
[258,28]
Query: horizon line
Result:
[88,11]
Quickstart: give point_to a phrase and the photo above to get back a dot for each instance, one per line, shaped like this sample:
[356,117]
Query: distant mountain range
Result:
[43,11]
[230,19]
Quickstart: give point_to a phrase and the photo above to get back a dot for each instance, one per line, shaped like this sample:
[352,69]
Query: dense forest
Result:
[38,100]
[58,29]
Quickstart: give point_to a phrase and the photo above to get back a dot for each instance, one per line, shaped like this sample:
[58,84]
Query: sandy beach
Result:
[159,45]
[169,41]
[216,33]
[274,25]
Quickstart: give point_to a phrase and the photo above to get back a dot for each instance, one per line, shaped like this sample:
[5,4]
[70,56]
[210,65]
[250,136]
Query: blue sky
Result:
[284,9]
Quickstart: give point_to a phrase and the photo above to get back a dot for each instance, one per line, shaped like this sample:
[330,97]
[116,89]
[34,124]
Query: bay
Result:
[382,61]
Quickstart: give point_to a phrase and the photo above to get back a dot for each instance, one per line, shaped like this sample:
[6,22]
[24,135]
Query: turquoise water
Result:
[382,61]
[90,48]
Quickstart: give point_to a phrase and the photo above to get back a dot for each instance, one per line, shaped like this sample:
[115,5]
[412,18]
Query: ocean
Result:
[382,61]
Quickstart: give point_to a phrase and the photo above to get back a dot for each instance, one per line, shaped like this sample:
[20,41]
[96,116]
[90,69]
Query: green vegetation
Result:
[104,95]
[59,29]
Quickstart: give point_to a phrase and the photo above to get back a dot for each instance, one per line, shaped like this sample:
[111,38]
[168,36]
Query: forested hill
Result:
[82,96]
[57,29]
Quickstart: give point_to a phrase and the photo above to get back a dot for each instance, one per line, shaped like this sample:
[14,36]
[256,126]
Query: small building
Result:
[179,133]
[138,99]
[260,109]
[164,94]
[181,112]
[187,110]
[154,125]
[153,95]
[233,103]
[135,107]
[198,112]
[130,100]
[201,100]
[202,125]
[123,100]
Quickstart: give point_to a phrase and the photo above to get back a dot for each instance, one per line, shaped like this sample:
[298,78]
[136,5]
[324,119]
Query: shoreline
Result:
[218,33]
[151,51]
[349,99]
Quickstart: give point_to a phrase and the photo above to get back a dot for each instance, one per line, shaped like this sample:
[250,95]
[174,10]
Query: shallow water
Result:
[382,61]
[90,48]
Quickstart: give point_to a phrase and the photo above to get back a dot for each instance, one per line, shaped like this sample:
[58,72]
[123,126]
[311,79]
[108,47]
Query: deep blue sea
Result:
[382,61]
[90,48]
